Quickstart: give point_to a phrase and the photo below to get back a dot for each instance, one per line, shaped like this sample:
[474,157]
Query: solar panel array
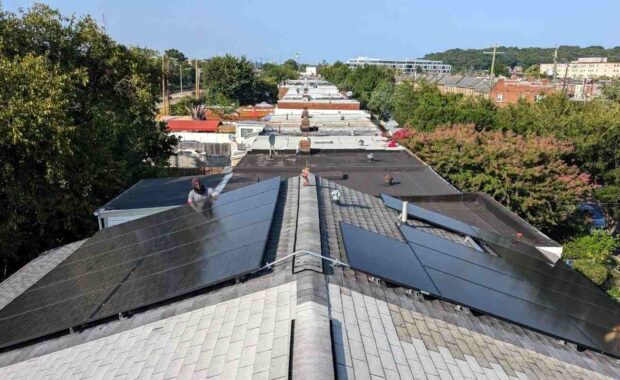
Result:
[146,261]
[551,299]
[467,229]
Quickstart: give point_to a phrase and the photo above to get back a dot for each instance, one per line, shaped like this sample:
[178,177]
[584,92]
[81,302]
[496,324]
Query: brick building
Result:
[509,91]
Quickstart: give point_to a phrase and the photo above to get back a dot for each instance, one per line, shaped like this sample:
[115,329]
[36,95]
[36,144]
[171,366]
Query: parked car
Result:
[595,213]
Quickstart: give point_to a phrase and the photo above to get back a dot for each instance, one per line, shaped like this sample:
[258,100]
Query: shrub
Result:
[597,273]
[597,247]
[614,293]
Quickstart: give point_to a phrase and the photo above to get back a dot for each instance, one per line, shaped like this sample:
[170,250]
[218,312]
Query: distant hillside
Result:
[473,59]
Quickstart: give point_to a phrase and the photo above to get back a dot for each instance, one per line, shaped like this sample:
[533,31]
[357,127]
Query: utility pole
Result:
[164,95]
[564,82]
[197,84]
[494,52]
[181,75]
[555,65]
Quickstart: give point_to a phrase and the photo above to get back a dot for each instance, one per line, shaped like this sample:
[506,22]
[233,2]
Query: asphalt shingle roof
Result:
[303,320]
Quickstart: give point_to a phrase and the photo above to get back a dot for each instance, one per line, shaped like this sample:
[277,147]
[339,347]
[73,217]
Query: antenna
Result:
[494,52]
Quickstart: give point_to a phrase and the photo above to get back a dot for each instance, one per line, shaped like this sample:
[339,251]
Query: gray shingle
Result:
[29,274]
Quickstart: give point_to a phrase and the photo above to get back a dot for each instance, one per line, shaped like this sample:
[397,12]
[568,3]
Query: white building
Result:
[584,68]
[407,66]
[310,71]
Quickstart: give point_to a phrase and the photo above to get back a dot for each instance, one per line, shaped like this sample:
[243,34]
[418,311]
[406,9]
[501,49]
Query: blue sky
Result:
[341,29]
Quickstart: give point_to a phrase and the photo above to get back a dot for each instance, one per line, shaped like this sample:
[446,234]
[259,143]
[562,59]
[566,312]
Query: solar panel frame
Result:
[71,290]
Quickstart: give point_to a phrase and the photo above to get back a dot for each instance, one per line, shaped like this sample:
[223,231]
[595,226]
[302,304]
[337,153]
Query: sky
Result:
[341,29]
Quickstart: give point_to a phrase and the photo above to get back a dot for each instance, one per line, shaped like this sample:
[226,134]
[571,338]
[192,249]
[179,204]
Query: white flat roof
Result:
[325,142]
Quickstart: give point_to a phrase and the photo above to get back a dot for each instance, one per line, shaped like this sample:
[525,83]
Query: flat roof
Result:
[288,142]
[481,210]
[410,175]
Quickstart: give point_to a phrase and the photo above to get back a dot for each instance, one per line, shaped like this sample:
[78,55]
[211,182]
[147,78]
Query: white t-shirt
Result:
[195,198]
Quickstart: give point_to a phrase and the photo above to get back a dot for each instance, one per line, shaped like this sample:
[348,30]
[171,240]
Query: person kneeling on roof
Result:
[201,197]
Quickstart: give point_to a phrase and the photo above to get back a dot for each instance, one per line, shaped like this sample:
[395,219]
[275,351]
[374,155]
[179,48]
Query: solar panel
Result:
[554,300]
[540,297]
[466,229]
[384,257]
[147,261]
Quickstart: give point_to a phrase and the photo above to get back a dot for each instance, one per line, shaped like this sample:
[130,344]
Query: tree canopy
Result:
[275,74]
[235,79]
[77,127]
[362,81]
[525,173]
[474,59]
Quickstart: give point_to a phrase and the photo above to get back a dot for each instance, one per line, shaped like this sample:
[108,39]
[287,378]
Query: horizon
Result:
[269,33]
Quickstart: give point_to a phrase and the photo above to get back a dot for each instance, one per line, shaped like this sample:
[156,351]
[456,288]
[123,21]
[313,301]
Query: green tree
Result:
[178,66]
[275,74]
[235,79]
[78,126]
[291,63]
[363,80]
[592,255]
[175,54]
[524,173]
[464,59]
[34,182]
[422,106]
[611,91]
[380,101]
[336,73]
[533,72]
[500,70]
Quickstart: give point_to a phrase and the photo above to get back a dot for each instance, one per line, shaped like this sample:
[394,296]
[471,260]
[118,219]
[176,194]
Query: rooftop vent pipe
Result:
[403,215]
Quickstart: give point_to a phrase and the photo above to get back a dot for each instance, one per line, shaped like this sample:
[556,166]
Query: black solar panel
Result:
[146,261]
[159,192]
[540,297]
[551,299]
[466,229]
[384,257]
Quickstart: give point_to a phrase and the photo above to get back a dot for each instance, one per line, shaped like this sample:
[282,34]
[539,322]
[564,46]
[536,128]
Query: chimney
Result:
[403,215]
[304,145]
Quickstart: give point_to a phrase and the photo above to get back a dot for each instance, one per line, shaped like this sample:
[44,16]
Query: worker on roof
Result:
[201,197]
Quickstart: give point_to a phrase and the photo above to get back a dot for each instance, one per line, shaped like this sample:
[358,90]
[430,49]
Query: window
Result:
[217,149]
[245,132]
[499,98]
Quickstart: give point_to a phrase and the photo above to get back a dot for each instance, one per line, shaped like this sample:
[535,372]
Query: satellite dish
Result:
[349,94]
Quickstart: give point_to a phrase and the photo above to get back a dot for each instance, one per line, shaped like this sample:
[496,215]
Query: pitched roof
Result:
[159,192]
[307,319]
